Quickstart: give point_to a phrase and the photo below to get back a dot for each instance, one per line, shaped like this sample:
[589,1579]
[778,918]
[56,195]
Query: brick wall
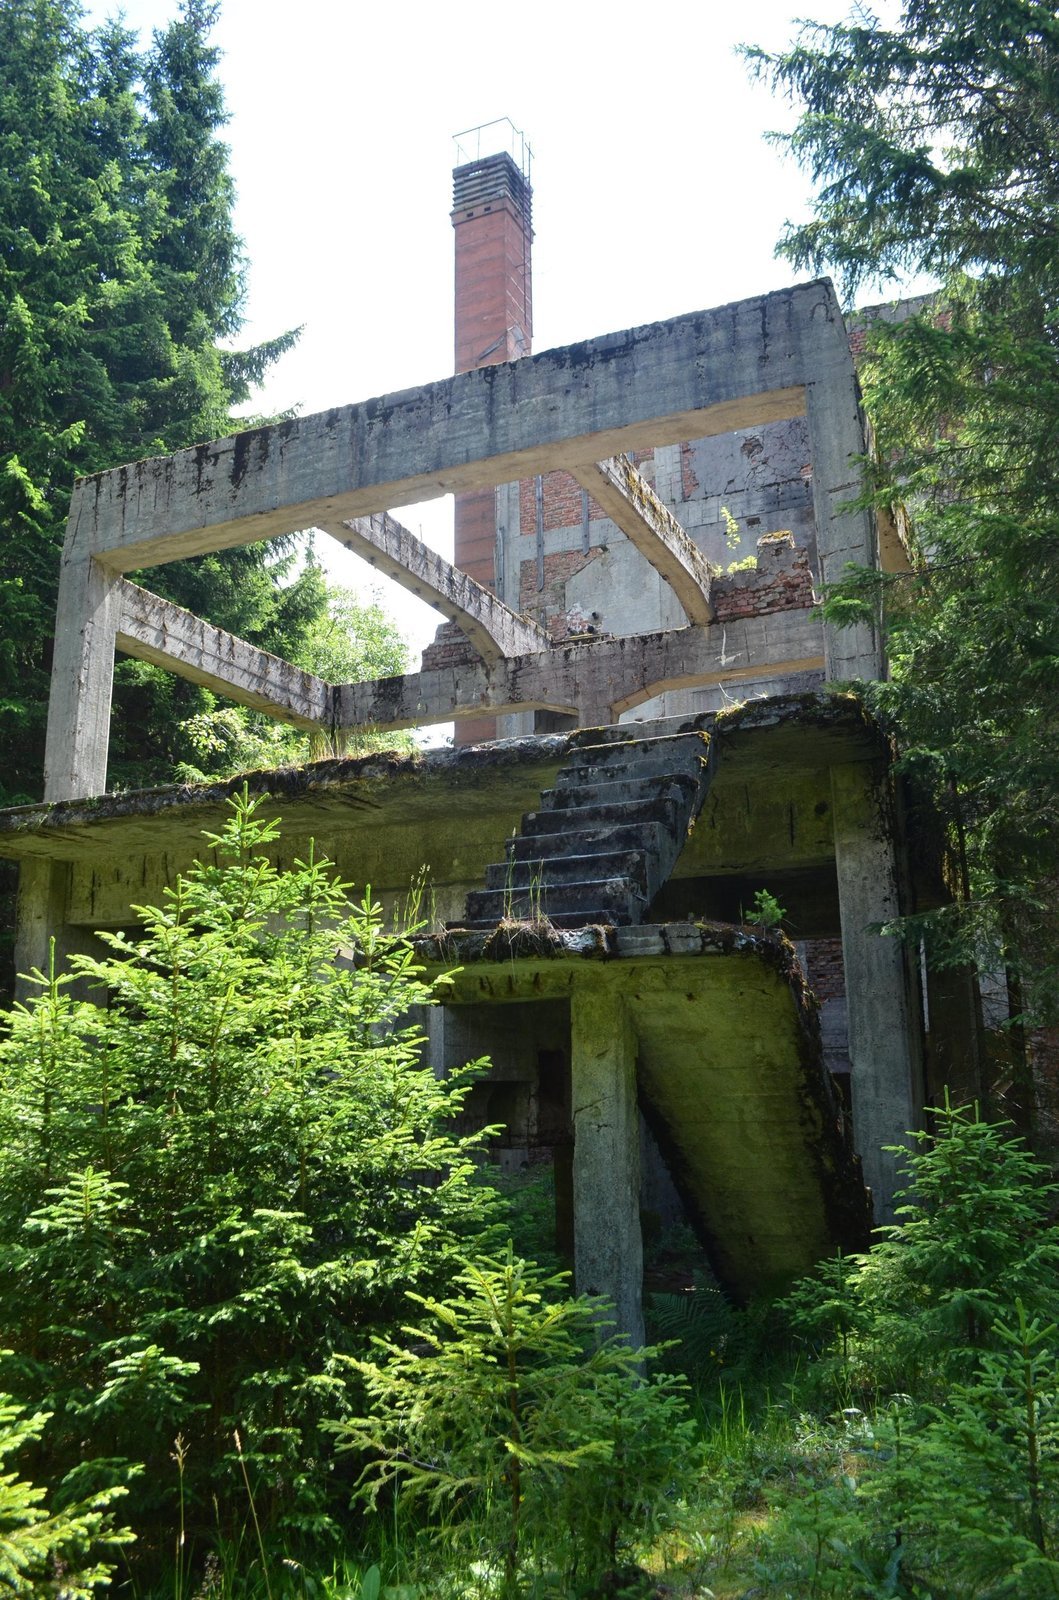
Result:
[562,498]
[494,313]
[449,647]
[824,969]
[548,605]
[781,581]
[493,322]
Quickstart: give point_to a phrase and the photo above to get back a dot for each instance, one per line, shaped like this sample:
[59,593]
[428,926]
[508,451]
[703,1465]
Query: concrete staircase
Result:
[605,839]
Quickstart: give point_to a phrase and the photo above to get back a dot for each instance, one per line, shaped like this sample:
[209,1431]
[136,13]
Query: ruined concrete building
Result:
[643,742]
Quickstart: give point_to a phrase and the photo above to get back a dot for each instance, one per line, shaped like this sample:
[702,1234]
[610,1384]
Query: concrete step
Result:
[621,733]
[598,916]
[680,786]
[645,837]
[584,900]
[662,809]
[627,772]
[559,867]
[608,762]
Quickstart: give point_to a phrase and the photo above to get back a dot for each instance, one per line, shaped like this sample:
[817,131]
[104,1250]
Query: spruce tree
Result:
[121,276]
[934,146]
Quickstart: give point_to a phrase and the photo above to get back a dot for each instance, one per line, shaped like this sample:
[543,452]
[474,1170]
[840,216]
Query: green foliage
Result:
[766,910]
[120,277]
[530,1444]
[933,147]
[49,1553]
[209,1188]
[972,1238]
[948,1484]
[345,643]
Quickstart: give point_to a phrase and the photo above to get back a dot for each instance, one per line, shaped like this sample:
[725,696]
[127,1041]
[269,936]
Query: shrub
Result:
[533,1446]
[42,1553]
[234,1170]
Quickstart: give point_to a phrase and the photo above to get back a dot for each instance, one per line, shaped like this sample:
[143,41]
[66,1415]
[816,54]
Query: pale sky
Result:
[655,192]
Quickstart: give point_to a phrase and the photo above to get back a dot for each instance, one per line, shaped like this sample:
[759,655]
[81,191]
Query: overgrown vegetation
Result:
[261,1314]
[214,1186]
[218,1192]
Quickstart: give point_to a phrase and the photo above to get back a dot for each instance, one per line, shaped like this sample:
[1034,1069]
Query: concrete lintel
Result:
[632,505]
[492,627]
[155,630]
[597,681]
[731,367]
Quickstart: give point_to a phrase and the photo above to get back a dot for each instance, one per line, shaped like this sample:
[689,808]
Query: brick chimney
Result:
[492,223]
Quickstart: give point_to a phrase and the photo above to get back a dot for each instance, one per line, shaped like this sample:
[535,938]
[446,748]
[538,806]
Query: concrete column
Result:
[42,886]
[82,680]
[836,441]
[885,1042]
[608,1249]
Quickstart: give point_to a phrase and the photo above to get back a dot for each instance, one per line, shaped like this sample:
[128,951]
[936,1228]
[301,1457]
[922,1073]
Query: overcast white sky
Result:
[655,192]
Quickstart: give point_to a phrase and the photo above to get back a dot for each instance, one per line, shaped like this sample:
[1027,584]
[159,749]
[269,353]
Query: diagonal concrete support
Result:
[155,630]
[630,502]
[492,627]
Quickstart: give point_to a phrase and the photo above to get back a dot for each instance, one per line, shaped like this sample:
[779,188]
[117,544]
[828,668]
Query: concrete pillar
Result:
[42,887]
[885,1039]
[836,441]
[608,1249]
[82,680]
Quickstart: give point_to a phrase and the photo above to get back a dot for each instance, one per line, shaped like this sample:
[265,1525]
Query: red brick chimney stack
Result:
[493,226]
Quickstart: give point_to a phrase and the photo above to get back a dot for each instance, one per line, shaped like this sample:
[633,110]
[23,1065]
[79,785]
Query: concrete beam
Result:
[736,366]
[155,630]
[492,627]
[595,681]
[632,505]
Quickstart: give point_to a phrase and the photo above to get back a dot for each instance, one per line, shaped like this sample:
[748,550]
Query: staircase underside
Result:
[730,1076]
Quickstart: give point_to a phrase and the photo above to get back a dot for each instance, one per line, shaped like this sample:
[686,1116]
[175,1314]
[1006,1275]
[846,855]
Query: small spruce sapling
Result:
[766,910]
[529,1444]
[61,1553]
